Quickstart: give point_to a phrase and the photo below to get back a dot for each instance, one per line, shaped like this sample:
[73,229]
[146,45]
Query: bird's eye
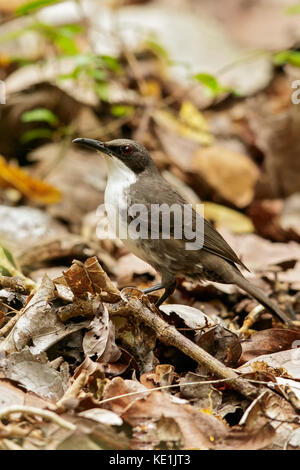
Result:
[127,150]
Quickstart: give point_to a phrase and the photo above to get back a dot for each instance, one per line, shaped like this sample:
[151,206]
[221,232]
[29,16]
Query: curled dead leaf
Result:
[36,190]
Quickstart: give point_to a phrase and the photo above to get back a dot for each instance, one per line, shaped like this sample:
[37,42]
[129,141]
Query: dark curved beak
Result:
[94,144]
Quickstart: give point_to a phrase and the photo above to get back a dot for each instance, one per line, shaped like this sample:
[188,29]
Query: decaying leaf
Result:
[268,341]
[38,191]
[202,396]
[284,363]
[197,430]
[164,374]
[228,218]
[90,277]
[190,124]
[221,343]
[99,341]
[233,175]
[35,374]
[192,317]
[39,325]
[102,416]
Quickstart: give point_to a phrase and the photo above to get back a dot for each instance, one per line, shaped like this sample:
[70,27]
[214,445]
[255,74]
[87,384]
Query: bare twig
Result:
[169,335]
[75,388]
[251,318]
[6,329]
[49,415]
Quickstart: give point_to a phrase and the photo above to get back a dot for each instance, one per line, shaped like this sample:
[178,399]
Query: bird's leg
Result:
[168,283]
[169,289]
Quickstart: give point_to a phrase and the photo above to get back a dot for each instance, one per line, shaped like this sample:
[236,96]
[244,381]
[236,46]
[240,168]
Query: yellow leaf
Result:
[228,218]
[38,191]
[152,88]
[190,123]
[193,118]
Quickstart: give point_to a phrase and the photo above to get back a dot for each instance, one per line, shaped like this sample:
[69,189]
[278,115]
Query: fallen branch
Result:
[169,335]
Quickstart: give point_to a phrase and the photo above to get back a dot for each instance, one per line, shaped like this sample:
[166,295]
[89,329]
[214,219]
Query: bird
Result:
[134,180]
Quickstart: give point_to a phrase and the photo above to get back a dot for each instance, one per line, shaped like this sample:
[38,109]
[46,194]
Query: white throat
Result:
[120,178]
[117,199]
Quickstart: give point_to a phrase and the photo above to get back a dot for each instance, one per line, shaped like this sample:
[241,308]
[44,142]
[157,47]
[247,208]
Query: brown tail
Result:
[259,295]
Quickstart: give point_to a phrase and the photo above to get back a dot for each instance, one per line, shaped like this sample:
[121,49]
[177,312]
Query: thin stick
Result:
[11,323]
[163,387]
[170,336]
[50,415]
[75,388]
[204,382]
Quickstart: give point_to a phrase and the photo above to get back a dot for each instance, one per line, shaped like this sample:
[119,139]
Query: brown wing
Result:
[215,243]
[160,192]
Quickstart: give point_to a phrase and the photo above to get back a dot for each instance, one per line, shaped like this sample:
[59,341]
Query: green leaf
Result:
[98,74]
[293,9]
[36,134]
[30,7]
[65,44]
[210,83]
[287,57]
[9,256]
[102,91]
[8,266]
[120,110]
[40,114]
[7,263]
[70,30]
[157,48]
[111,63]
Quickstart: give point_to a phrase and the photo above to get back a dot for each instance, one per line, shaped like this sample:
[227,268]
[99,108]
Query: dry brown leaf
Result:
[130,266]
[284,363]
[202,396]
[78,169]
[220,343]
[35,374]
[197,430]
[102,416]
[163,375]
[39,324]
[258,253]
[36,190]
[277,219]
[231,174]
[271,409]
[90,277]
[268,341]
[99,341]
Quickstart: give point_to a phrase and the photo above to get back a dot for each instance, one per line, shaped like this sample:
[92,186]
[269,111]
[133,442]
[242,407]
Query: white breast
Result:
[116,197]
[117,201]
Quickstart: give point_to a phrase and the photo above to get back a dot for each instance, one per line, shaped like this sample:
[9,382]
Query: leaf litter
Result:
[87,362]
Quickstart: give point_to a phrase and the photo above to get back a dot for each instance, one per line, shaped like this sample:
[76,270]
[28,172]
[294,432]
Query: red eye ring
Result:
[127,150]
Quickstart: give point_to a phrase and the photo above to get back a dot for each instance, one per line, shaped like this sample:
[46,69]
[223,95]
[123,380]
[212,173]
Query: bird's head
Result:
[120,152]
